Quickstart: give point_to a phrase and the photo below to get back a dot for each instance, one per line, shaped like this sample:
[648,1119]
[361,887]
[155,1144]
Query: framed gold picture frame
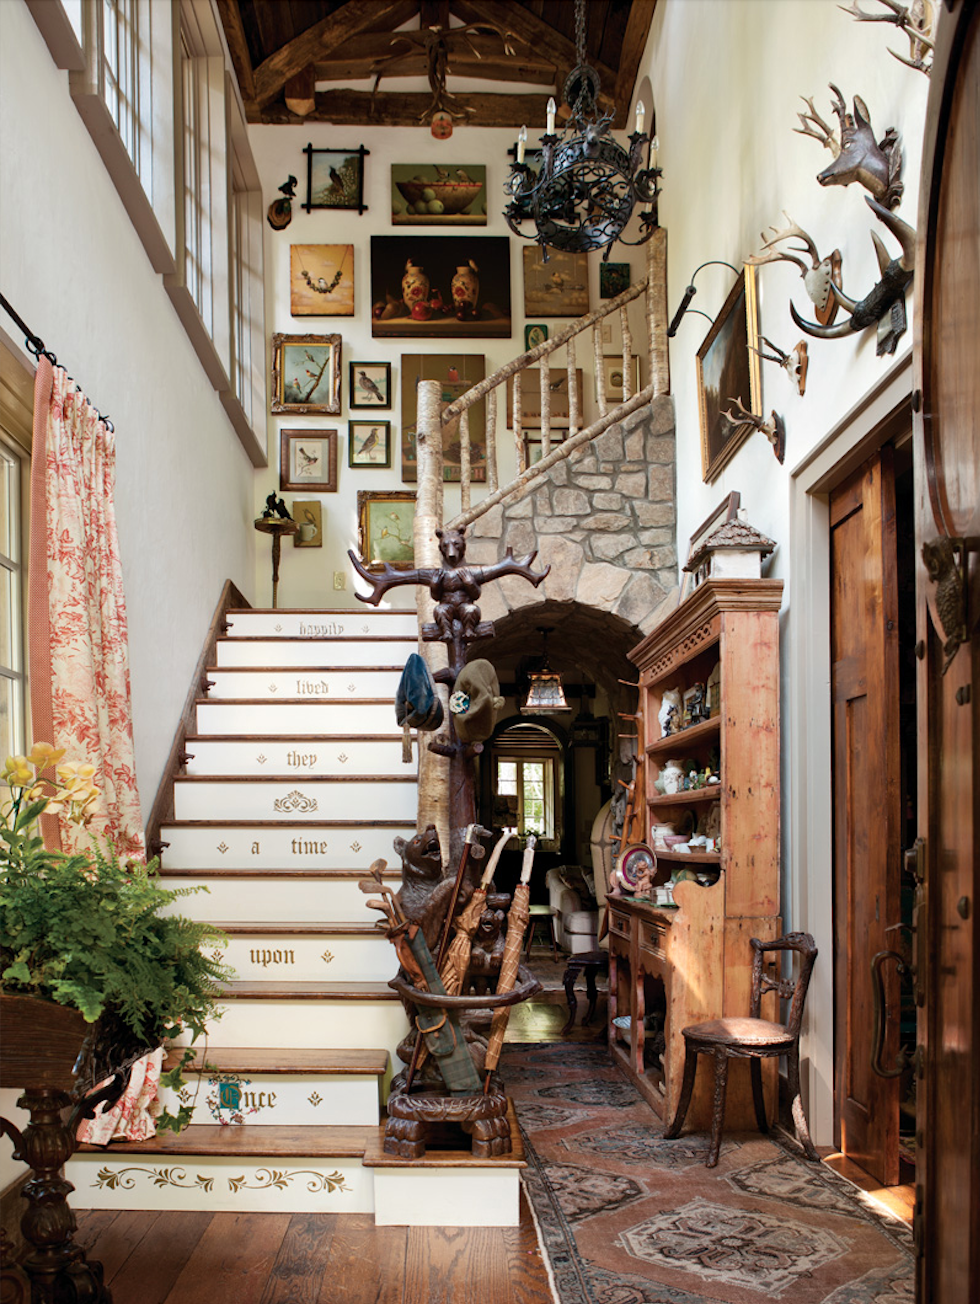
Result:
[306,374]
[728,368]
[385,525]
[308,461]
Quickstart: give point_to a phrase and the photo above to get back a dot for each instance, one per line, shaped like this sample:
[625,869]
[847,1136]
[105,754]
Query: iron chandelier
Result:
[587,186]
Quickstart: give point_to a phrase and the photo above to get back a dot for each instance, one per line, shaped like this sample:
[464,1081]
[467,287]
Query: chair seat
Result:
[751,1034]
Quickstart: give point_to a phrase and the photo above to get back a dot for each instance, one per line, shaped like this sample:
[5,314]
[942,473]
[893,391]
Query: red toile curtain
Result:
[79,650]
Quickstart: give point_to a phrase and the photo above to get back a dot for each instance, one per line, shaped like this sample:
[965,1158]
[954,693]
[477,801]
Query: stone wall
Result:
[604,519]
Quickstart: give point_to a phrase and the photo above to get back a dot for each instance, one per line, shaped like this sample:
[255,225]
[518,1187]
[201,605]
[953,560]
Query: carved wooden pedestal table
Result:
[277,527]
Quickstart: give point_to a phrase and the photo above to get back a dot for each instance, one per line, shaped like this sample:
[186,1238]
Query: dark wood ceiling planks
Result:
[282,49]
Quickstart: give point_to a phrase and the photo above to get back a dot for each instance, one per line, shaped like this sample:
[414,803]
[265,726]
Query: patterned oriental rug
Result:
[626,1217]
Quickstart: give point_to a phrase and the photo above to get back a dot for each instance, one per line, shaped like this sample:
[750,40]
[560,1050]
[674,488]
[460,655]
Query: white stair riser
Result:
[281,1099]
[311,1024]
[220,1184]
[299,847]
[314,652]
[359,623]
[321,958]
[446,1197]
[297,719]
[310,685]
[316,758]
[294,802]
[273,900]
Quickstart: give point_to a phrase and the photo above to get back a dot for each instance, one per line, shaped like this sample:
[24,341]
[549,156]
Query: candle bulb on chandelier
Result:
[521,142]
[654,146]
[552,108]
[641,114]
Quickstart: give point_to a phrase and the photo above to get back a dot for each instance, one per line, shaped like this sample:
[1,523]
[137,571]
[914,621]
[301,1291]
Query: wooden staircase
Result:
[292,785]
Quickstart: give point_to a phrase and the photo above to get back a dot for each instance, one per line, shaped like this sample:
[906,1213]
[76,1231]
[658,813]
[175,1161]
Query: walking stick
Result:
[473,832]
[517,918]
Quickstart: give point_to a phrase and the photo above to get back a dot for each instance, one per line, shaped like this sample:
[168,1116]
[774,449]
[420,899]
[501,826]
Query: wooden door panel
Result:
[866,759]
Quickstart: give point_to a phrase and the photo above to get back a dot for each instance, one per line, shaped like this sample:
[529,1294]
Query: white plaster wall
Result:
[73,267]
[306,574]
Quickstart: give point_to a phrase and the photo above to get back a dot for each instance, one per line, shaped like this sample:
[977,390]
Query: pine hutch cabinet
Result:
[672,966]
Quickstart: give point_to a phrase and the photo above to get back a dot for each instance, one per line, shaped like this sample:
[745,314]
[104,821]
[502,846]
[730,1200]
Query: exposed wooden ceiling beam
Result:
[362,109]
[272,74]
[300,92]
[634,43]
[231,20]
[486,60]
[538,35]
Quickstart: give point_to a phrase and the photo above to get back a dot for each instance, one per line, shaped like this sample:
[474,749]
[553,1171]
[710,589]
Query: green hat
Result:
[475,703]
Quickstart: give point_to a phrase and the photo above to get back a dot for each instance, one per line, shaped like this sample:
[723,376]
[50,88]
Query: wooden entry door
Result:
[947,456]
[867,804]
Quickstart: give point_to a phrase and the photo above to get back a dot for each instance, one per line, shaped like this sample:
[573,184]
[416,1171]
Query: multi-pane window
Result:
[122,59]
[12,679]
[530,785]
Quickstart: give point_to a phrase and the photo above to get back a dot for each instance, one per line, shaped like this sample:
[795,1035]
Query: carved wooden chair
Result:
[753,1039]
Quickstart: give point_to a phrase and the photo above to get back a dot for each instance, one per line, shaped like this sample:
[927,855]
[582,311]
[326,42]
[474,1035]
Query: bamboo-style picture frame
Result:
[306,374]
[728,367]
[385,525]
[335,178]
[308,461]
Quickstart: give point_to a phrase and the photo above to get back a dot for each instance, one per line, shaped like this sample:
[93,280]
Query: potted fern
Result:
[91,934]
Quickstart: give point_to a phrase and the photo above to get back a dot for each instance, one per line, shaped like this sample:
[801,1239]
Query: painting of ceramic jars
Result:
[440,288]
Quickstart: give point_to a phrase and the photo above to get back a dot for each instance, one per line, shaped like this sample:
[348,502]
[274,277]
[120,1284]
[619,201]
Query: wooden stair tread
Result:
[318,638]
[375,1157]
[277,927]
[304,779]
[258,871]
[276,989]
[326,1142]
[292,825]
[294,701]
[270,1059]
[299,739]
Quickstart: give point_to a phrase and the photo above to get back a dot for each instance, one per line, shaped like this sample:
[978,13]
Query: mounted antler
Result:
[773,429]
[813,125]
[916,20]
[885,304]
[876,165]
[818,278]
[794,364]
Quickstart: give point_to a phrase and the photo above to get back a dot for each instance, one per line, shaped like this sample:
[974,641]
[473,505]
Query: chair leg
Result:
[554,939]
[758,1098]
[718,1113]
[799,1118]
[687,1090]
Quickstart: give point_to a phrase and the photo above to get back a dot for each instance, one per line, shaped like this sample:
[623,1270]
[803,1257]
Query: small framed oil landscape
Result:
[428,194]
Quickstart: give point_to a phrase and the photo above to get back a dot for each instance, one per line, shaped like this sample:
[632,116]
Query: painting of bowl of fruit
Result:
[427,194]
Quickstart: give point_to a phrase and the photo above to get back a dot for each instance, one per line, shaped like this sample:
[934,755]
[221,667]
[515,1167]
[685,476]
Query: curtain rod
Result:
[35,345]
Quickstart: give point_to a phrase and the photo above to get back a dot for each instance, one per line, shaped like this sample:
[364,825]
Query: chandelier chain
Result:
[580,31]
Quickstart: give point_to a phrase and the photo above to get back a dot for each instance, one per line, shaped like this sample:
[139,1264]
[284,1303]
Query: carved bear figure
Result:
[487,950]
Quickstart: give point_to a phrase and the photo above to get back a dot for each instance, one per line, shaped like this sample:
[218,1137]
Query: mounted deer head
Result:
[818,278]
[794,364]
[916,20]
[885,304]
[773,429]
[858,157]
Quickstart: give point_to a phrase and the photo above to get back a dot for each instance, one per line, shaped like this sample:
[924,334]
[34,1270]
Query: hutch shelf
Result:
[674,966]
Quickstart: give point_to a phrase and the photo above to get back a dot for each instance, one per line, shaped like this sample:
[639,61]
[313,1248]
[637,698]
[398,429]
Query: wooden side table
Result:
[277,527]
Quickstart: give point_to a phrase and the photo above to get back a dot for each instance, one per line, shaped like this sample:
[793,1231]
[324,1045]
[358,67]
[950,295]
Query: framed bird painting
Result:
[335,178]
[321,280]
[369,385]
[306,373]
[308,461]
[369,443]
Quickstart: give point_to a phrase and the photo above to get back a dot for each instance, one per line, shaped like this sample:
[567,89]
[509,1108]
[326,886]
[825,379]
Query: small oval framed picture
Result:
[369,443]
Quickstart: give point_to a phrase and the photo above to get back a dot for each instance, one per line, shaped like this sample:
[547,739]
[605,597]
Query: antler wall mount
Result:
[876,165]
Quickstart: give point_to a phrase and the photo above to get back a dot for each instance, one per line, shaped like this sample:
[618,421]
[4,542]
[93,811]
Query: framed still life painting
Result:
[440,287]
[308,461]
[385,523]
[729,368]
[306,373]
[430,194]
[321,280]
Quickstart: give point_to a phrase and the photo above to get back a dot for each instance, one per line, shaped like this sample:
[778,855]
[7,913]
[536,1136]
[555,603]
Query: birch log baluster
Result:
[656,308]
[624,322]
[492,481]
[573,412]
[544,381]
[465,472]
[518,429]
[517,918]
[600,379]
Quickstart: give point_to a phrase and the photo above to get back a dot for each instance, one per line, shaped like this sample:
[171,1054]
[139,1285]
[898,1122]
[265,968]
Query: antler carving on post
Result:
[915,20]
[885,303]
[794,363]
[818,278]
[773,429]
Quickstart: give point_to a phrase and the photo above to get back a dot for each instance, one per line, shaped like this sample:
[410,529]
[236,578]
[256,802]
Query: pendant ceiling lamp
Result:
[545,695]
[584,192]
